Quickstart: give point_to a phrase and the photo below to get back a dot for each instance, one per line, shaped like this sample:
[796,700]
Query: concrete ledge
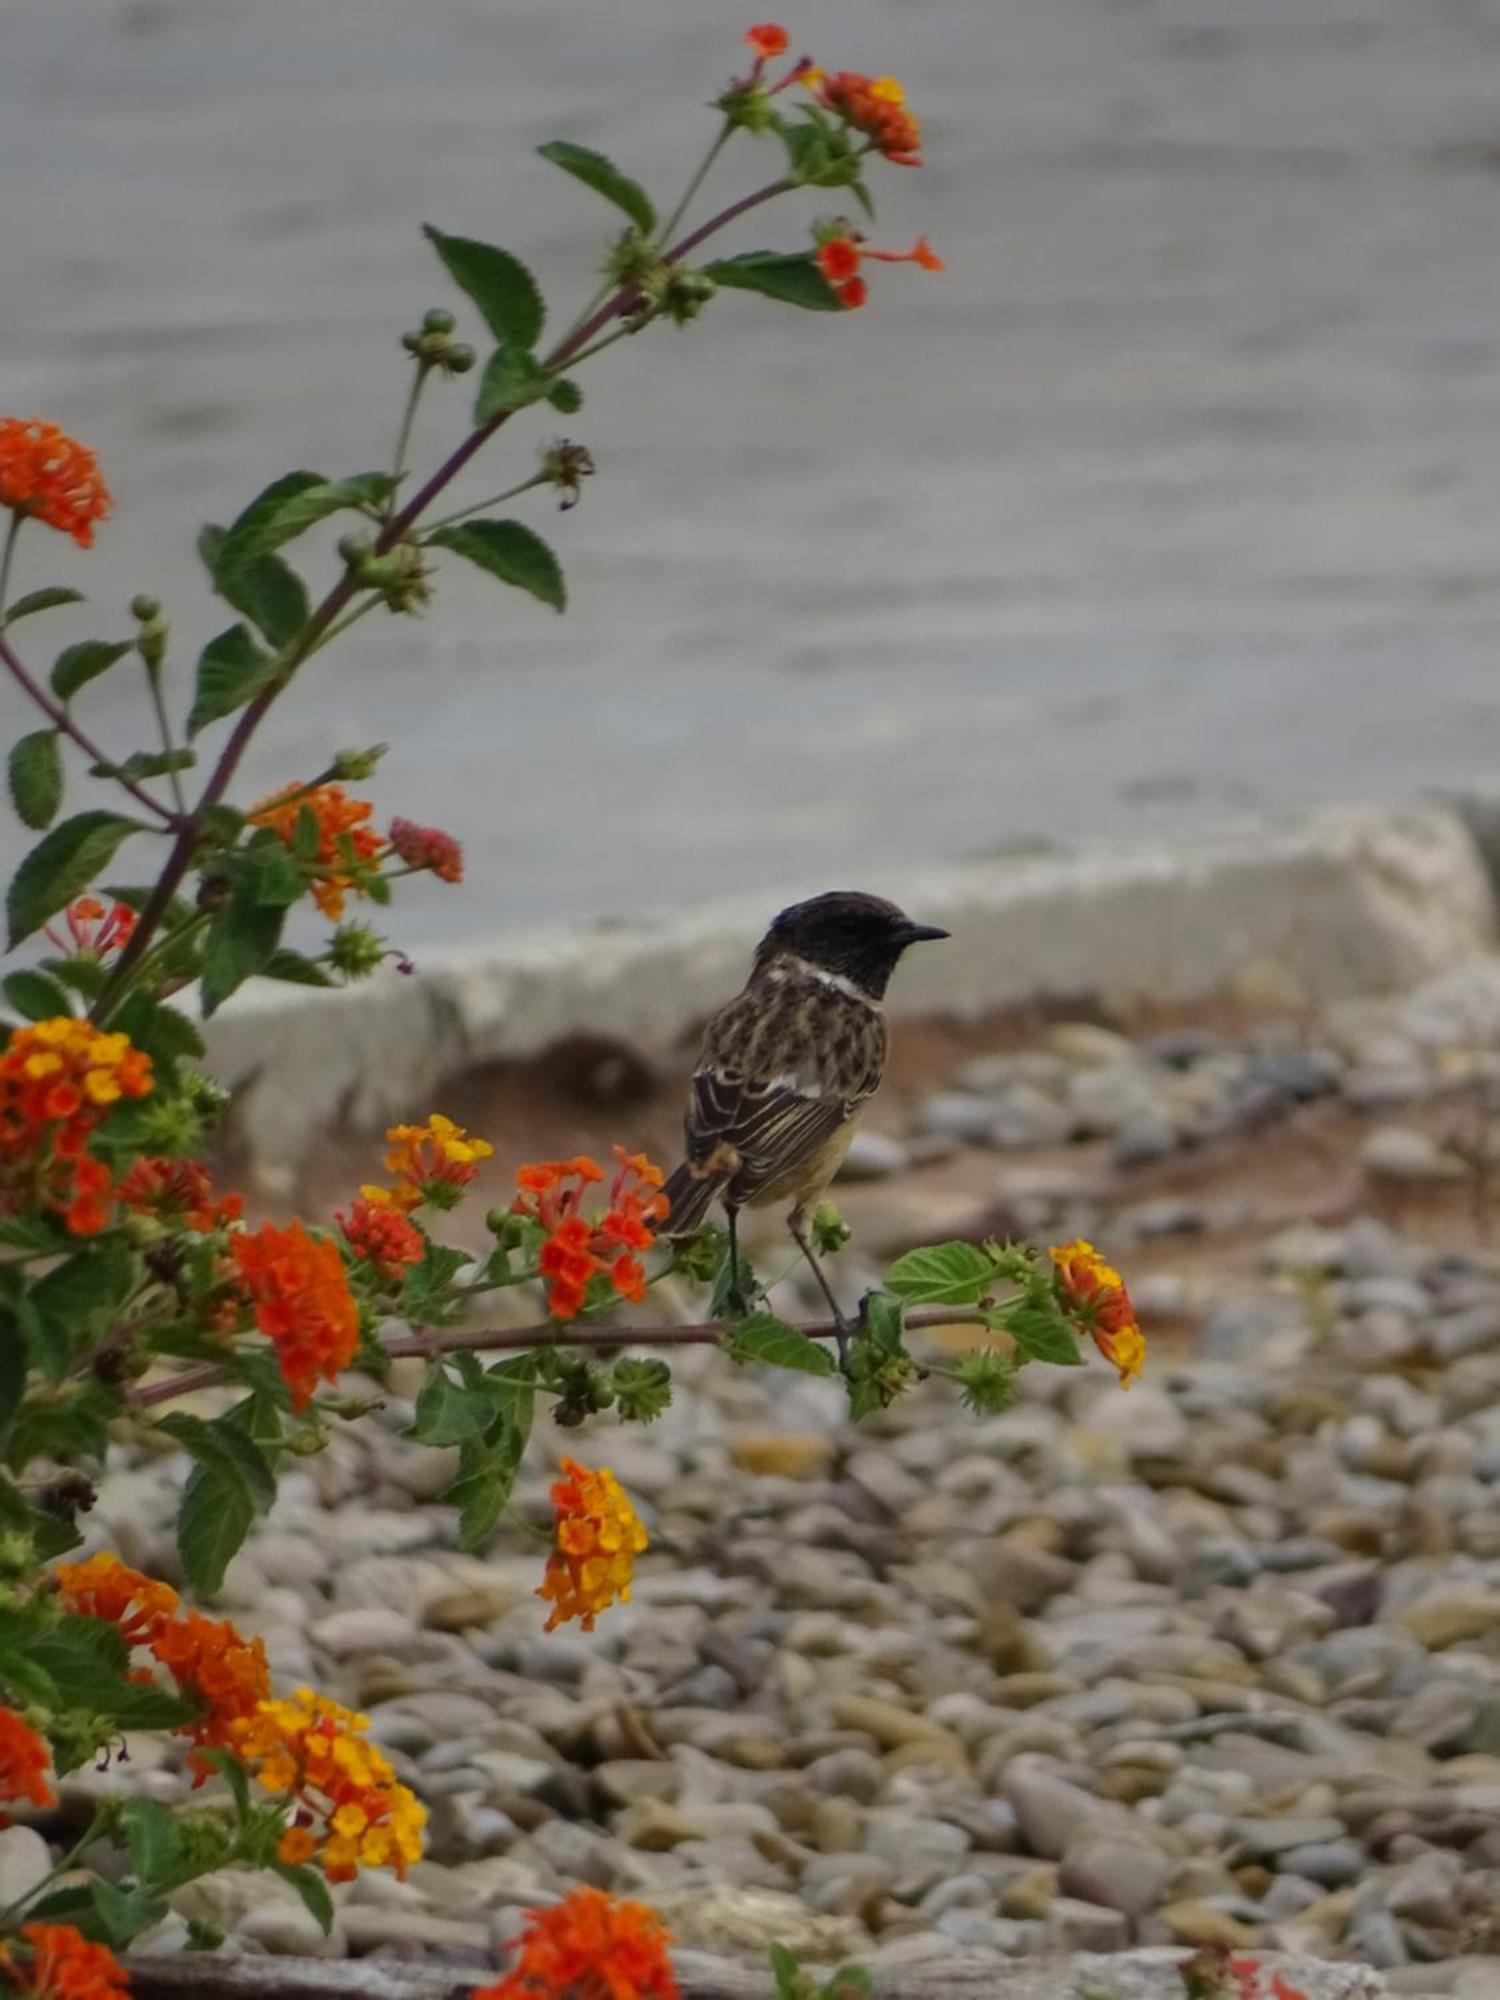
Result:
[1341,903]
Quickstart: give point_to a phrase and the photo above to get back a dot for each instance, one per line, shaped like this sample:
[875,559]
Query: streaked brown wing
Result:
[759,1131]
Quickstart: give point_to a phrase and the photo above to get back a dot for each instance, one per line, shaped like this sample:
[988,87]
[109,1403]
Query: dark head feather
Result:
[858,936]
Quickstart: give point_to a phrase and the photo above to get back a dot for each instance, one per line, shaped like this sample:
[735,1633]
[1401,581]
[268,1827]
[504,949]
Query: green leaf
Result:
[794,278]
[424,1289]
[214,1520]
[36,778]
[499,284]
[77,1299]
[1039,1334]
[605,178]
[288,508]
[565,396]
[242,939]
[30,1232]
[225,1451]
[36,997]
[295,970]
[147,764]
[12,1379]
[763,1337]
[76,666]
[235,1776]
[232,670]
[25,1682]
[263,589]
[487,1468]
[152,1841]
[61,866]
[40,600]
[311,1887]
[166,1035]
[446,1413]
[510,381]
[948,1274]
[100,1912]
[510,551]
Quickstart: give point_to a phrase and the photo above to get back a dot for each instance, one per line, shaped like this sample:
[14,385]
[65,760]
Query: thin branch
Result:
[57,714]
[430,1343]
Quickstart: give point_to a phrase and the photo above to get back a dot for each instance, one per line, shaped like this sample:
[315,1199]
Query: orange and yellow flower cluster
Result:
[1093,1295]
[24,1758]
[303,1304]
[56,1962]
[58,1079]
[576,1250]
[104,1587]
[432,1163]
[597,1537]
[590,1946]
[348,852]
[843,250]
[351,1811]
[873,105]
[46,476]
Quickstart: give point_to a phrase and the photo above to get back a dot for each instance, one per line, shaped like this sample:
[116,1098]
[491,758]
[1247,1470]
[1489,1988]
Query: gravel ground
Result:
[1217,1659]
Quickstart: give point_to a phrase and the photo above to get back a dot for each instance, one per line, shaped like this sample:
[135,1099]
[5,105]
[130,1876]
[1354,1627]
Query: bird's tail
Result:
[691,1196]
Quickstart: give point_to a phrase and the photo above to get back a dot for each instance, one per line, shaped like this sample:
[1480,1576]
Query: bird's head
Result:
[846,932]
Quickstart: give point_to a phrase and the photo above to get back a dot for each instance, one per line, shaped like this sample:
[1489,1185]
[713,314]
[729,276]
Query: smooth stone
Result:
[890,1725]
[1451,1617]
[1329,1863]
[1266,1838]
[1427,1890]
[874,1156]
[1078,1926]
[780,1455]
[25,1860]
[1195,1922]
[364,1629]
[1085,1045]
[1406,1153]
[1054,1814]
[1123,1874]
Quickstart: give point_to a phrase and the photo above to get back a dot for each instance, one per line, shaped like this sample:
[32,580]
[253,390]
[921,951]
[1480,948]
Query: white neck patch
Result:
[793,967]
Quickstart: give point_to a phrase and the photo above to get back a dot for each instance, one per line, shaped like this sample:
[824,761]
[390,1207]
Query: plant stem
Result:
[337,632]
[6,556]
[147,964]
[164,728]
[623,300]
[435,1341]
[705,166]
[403,435]
[57,714]
[102,1817]
[478,506]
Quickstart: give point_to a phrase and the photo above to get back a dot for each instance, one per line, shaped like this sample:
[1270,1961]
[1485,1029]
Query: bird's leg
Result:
[841,1325]
[738,1302]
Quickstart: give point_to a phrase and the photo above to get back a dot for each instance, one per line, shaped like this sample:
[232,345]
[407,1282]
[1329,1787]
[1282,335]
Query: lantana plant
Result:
[131,1285]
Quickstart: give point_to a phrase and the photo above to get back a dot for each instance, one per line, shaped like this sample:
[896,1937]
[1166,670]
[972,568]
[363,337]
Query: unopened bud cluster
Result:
[432,344]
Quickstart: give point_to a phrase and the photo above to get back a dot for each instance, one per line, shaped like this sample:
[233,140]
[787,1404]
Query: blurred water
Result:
[1179,493]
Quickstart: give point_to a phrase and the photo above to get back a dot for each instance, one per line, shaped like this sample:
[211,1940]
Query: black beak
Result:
[921,934]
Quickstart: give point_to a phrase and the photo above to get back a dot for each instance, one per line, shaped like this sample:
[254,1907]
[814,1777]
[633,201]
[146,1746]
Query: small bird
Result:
[788,1065]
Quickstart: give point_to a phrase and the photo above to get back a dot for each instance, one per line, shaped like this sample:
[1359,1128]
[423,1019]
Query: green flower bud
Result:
[460,358]
[437,319]
[355,950]
[829,1230]
[988,1381]
[642,1389]
[352,767]
[144,608]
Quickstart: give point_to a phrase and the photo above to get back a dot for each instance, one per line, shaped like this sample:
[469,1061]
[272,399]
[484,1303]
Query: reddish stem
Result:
[57,714]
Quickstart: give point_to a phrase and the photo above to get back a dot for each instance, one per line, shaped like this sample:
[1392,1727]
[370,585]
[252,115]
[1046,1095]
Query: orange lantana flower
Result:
[302,1301]
[347,847]
[44,474]
[382,1237]
[1093,1295]
[228,1674]
[433,1164]
[104,1587]
[56,1962]
[598,1537]
[590,1946]
[874,105]
[24,1758]
[841,250]
[94,929]
[767,40]
[58,1079]
[178,1193]
[551,1193]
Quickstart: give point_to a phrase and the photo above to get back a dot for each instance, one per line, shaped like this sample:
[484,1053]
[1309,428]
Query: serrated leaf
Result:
[794,278]
[77,1299]
[166,1035]
[76,666]
[147,764]
[152,1841]
[36,997]
[211,1528]
[225,1451]
[263,589]
[510,381]
[295,969]
[423,1295]
[446,1413]
[1039,1335]
[40,600]
[948,1274]
[234,1774]
[313,1890]
[289,508]
[242,939]
[604,177]
[498,283]
[232,669]
[763,1337]
[25,1682]
[30,1232]
[36,778]
[61,865]
[512,552]
[100,1912]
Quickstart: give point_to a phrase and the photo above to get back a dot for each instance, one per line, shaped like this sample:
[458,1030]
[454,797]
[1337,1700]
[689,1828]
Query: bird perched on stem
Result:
[788,1065]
